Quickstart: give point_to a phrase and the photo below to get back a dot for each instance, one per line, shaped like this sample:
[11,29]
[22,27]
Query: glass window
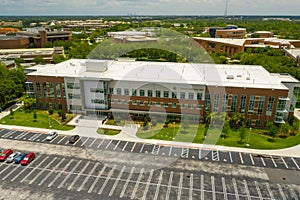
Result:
[57,89]
[174,105]
[64,90]
[142,93]
[111,90]
[133,92]
[166,104]
[134,102]
[190,106]
[51,90]
[127,102]
[224,102]
[150,94]
[182,95]
[119,91]
[270,106]
[281,105]
[157,104]
[248,122]
[157,93]
[142,103]
[199,96]
[119,101]
[191,95]
[174,95]
[243,103]
[126,92]
[199,107]
[166,94]
[261,103]
[38,89]
[233,103]
[251,105]
[182,105]
[257,123]
[207,102]
[216,103]
[149,103]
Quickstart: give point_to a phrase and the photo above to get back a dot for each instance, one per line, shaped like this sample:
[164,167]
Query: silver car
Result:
[51,135]
[12,156]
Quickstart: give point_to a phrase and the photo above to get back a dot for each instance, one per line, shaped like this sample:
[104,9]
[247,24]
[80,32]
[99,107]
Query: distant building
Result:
[132,36]
[263,34]
[8,30]
[230,31]
[18,23]
[14,42]
[103,87]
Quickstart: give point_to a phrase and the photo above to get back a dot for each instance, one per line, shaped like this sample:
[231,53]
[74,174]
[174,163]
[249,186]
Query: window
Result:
[111,90]
[166,94]
[190,106]
[119,91]
[157,93]
[149,103]
[174,95]
[182,105]
[243,103]
[38,89]
[60,106]
[97,101]
[280,105]
[261,103]
[216,103]
[251,105]
[191,95]
[199,96]
[233,103]
[207,102]
[57,89]
[119,101]
[63,90]
[51,90]
[73,96]
[270,106]
[199,107]
[174,105]
[257,123]
[97,90]
[248,122]
[112,101]
[150,94]
[41,105]
[157,104]
[296,91]
[182,95]
[142,93]
[54,106]
[127,102]
[133,92]
[142,103]
[126,92]
[166,104]
[134,102]
[224,102]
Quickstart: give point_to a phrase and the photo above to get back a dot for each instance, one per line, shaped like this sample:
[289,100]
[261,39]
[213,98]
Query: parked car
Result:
[73,138]
[12,157]
[5,154]
[20,157]
[28,158]
[51,135]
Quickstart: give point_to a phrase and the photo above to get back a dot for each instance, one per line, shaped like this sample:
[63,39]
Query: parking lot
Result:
[104,181]
[268,161]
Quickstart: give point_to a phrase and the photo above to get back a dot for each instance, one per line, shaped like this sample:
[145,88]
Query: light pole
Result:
[173,130]
[248,141]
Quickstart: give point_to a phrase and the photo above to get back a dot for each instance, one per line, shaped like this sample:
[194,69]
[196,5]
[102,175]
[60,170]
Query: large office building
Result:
[101,86]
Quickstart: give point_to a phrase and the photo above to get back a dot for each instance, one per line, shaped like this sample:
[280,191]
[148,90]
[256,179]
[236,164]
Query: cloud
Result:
[149,7]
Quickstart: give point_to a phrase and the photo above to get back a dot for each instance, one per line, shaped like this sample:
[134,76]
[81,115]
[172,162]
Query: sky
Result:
[149,7]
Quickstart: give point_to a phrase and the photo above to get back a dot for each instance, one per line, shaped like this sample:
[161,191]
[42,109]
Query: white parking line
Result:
[258,189]
[247,189]
[116,182]
[180,186]
[2,171]
[21,135]
[61,140]
[230,157]
[116,146]
[137,184]
[251,159]
[191,187]
[12,171]
[269,190]
[107,179]
[133,147]
[273,161]
[142,148]
[169,186]
[87,178]
[93,142]
[241,158]
[284,162]
[295,163]
[281,192]
[56,166]
[8,134]
[46,167]
[224,188]
[110,141]
[126,183]
[202,187]
[147,184]
[69,174]
[101,143]
[82,144]
[293,194]
[56,138]
[158,184]
[213,187]
[170,150]
[34,170]
[263,162]
[96,180]
[124,146]
[34,136]
[235,189]
[76,142]
[58,175]
[78,175]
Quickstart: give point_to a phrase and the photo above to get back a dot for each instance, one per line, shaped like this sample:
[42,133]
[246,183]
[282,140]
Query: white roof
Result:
[233,41]
[165,72]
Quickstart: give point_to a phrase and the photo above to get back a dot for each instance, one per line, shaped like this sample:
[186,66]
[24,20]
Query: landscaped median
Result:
[38,119]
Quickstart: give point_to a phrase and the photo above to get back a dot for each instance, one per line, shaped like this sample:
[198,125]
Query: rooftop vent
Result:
[229,76]
[239,75]
[248,78]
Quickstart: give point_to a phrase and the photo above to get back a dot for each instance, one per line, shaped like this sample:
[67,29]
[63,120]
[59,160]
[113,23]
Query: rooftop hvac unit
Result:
[230,76]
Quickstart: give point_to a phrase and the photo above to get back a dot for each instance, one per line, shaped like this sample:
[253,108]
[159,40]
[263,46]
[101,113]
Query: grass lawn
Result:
[43,120]
[104,131]
[257,139]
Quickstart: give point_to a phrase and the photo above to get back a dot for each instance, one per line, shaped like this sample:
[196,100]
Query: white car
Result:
[51,135]
[12,156]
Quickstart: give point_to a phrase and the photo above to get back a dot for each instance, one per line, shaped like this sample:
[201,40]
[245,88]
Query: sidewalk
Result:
[88,128]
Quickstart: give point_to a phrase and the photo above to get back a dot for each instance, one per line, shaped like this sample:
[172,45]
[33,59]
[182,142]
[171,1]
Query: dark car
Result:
[73,139]
[19,158]
[28,158]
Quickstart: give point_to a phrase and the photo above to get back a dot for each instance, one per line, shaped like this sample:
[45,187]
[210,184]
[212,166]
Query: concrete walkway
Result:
[88,128]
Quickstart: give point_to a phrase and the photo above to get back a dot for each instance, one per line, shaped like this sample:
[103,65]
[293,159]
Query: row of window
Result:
[156,93]
[50,90]
[158,104]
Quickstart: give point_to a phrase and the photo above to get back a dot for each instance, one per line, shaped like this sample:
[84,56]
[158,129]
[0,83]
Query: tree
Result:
[237,120]
[11,113]
[295,127]
[226,129]
[38,60]
[58,58]
[34,116]
[28,103]
[273,129]
[63,117]
[242,134]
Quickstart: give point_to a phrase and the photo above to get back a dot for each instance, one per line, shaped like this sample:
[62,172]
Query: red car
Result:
[5,154]
[28,158]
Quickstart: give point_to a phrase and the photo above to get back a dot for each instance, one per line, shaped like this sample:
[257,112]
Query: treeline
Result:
[12,84]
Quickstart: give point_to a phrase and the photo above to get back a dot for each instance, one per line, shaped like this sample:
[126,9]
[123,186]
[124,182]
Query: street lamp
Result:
[173,130]
[248,141]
